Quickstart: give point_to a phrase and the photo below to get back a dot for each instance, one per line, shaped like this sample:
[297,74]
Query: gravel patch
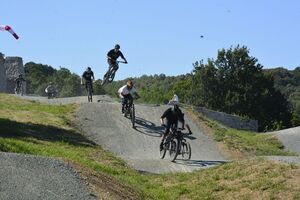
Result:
[34,177]
[285,159]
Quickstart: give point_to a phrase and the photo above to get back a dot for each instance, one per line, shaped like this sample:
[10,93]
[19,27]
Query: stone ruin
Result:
[10,68]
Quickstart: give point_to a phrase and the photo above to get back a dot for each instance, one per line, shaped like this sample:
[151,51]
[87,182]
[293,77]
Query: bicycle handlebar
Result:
[121,62]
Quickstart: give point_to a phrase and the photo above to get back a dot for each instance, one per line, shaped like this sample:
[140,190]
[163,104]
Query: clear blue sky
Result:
[157,36]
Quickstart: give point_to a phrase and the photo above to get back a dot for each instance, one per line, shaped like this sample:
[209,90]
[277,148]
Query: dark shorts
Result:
[169,125]
[127,99]
[113,64]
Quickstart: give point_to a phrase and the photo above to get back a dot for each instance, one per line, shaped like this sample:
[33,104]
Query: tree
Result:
[235,83]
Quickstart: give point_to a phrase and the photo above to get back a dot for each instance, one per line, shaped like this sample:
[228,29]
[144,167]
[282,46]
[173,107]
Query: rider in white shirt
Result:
[174,100]
[127,92]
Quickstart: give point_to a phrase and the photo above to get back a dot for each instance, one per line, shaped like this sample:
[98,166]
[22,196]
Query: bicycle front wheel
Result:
[173,150]
[186,150]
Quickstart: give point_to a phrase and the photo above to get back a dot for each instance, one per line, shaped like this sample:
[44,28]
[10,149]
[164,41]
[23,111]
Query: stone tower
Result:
[2,74]
[14,67]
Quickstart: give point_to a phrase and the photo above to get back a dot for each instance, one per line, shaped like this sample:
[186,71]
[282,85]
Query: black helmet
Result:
[88,69]
[117,46]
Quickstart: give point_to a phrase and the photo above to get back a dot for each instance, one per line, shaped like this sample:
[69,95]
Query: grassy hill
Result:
[34,128]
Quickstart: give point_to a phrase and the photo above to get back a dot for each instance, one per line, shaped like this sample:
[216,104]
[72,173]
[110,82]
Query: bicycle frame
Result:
[130,109]
[110,74]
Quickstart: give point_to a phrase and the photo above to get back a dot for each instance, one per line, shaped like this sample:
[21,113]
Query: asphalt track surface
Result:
[291,141]
[103,123]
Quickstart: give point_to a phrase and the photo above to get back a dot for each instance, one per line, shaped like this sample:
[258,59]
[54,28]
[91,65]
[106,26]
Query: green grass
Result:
[39,129]
[249,143]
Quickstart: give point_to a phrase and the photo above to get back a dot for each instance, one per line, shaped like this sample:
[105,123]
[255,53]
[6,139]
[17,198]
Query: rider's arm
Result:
[162,121]
[120,91]
[137,95]
[122,56]
[82,77]
[93,76]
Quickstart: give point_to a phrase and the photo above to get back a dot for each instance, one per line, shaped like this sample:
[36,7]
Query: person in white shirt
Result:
[127,93]
[174,100]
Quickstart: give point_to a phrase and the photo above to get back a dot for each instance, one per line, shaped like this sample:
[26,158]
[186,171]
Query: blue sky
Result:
[157,36]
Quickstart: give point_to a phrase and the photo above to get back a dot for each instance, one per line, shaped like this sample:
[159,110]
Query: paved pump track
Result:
[291,140]
[103,123]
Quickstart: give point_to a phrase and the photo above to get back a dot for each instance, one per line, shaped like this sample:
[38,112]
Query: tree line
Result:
[38,77]
[234,83]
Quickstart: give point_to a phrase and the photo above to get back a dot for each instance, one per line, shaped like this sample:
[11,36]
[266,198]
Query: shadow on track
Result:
[199,163]
[25,131]
[148,128]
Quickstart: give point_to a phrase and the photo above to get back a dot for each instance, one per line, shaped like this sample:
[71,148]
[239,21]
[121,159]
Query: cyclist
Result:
[88,75]
[112,57]
[18,82]
[127,92]
[174,100]
[172,115]
[51,90]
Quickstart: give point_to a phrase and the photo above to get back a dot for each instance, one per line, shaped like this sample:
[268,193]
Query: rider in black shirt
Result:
[172,115]
[113,55]
[88,75]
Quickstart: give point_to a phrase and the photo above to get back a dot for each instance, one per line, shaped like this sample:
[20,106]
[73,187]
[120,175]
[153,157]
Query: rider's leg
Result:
[124,101]
[130,100]
[111,65]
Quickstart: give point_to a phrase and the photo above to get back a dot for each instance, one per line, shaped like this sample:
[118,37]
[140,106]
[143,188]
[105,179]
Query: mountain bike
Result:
[176,144]
[89,91]
[110,74]
[129,110]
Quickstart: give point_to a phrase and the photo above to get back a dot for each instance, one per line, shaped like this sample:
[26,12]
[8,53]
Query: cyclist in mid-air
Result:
[112,57]
[88,76]
[19,82]
[127,92]
[172,116]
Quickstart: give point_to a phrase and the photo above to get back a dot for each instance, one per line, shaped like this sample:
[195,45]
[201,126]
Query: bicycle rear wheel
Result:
[186,151]
[89,93]
[173,149]
[132,115]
